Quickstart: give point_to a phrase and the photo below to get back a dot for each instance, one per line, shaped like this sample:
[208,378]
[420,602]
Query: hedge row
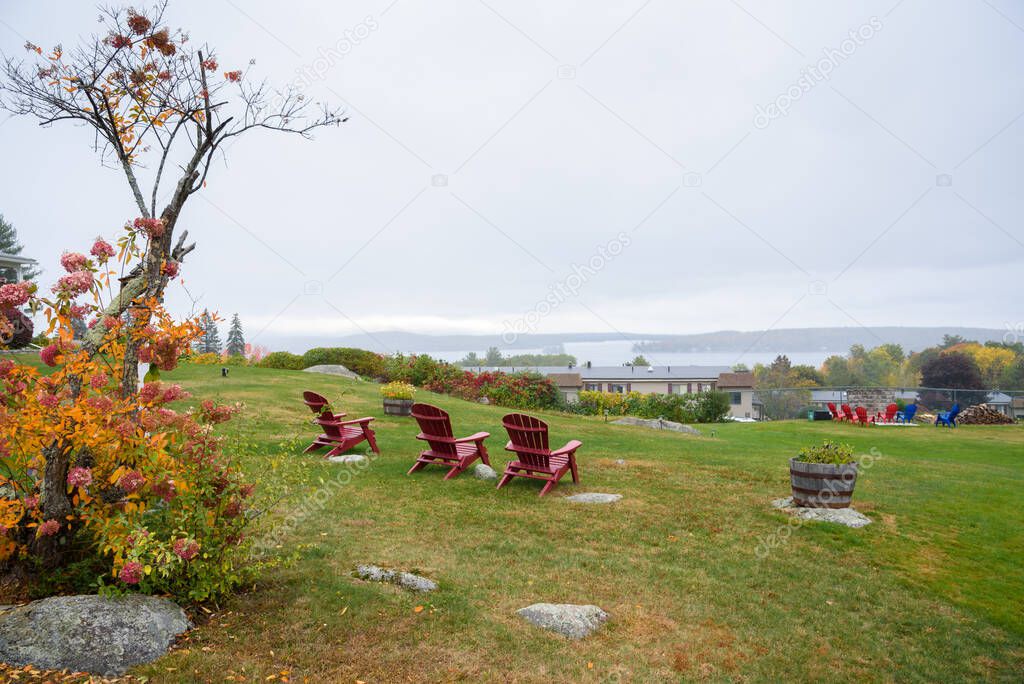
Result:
[701,407]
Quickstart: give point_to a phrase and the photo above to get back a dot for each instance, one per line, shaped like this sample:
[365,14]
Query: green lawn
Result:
[934,590]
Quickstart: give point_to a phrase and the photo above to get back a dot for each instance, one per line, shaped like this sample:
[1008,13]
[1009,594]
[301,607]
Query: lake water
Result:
[617,352]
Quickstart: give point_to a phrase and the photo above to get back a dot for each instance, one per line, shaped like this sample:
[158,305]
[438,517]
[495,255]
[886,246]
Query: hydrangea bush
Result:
[121,481]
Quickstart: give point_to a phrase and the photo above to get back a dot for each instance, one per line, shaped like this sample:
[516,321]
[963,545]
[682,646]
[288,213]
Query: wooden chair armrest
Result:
[478,437]
[356,421]
[570,447]
[346,422]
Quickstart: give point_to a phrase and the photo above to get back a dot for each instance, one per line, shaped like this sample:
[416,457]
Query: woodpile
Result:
[982,415]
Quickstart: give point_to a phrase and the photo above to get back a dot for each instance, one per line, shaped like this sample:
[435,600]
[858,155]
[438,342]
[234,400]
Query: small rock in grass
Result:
[406,580]
[620,461]
[594,497]
[841,516]
[568,619]
[347,458]
[482,471]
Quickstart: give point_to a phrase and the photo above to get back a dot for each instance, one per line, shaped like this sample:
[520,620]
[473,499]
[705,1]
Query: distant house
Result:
[13,267]
[1001,402]
[651,380]
[1017,408]
[740,388]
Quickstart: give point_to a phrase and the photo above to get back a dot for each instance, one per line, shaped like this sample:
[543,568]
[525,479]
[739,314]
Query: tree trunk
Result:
[55,505]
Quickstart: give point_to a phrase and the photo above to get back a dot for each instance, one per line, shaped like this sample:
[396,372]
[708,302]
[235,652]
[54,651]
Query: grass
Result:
[934,590]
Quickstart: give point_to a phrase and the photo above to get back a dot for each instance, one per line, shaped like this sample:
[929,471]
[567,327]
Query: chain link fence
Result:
[790,403]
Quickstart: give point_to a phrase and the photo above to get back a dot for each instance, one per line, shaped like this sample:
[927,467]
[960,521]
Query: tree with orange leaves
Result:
[149,94]
[77,443]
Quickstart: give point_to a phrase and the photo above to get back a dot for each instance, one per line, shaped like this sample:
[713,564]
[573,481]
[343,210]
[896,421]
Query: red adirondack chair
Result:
[528,439]
[320,407]
[848,413]
[338,435]
[445,449]
[342,435]
[834,412]
[889,415]
[862,416]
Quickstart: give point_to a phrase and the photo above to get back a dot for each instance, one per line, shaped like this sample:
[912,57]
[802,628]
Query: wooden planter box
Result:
[822,485]
[398,407]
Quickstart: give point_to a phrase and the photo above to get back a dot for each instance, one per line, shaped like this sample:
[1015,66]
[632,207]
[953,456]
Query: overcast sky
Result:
[629,157]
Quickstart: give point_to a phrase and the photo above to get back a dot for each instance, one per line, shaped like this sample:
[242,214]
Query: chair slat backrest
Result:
[954,412]
[529,437]
[847,411]
[317,403]
[862,414]
[890,412]
[909,412]
[832,410]
[436,427]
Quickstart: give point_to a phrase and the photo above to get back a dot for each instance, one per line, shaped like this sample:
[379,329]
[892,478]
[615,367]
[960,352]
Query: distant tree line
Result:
[956,363]
[494,358]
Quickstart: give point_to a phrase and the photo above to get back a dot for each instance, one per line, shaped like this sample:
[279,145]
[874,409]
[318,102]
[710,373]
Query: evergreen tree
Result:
[209,343]
[236,338]
[9,244]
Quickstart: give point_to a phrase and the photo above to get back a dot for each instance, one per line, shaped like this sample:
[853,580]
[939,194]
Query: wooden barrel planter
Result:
[822,485]
[398,407]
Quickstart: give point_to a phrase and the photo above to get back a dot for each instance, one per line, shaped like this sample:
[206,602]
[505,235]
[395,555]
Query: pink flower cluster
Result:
[165,489]
[79,477]
[131,572]
[49,528]
[99,381]
[102,250]
[153,227]
[170,269]
[132,481]
[48,354]
[14,294]
[48,400]
[73,284]
[186,549]
[73,261]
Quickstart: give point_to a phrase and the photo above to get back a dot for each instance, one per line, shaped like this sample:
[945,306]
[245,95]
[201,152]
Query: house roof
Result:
[15,260]
[566,379]
[627,373]
[735,380]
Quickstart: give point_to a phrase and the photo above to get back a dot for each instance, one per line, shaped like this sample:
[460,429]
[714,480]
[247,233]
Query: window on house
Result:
[620,389]
[592,387]
[735,398]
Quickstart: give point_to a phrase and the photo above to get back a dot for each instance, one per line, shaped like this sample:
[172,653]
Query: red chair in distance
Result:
[445,449]
[528,439]
[889,416]
[862,417]
[835,414]
[848,414]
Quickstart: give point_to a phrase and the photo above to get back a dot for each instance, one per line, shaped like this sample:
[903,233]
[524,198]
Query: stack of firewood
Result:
[982,415]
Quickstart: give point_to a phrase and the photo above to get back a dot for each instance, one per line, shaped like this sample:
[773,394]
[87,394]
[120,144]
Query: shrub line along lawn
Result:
[932,591]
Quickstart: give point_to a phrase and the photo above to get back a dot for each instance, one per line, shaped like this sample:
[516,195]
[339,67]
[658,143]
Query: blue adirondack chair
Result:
[948,418]
[907,414]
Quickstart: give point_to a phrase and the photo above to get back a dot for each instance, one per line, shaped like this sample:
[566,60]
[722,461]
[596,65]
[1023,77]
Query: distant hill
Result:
[837,340]
[784,340]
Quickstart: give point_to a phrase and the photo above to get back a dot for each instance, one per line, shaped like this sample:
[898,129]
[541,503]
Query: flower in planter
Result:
[397,390]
